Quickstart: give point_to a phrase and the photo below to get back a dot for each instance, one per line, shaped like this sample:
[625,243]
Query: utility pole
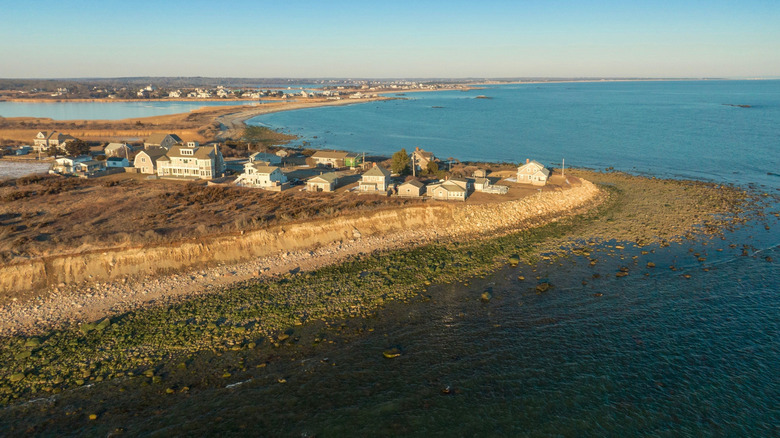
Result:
[563,167]
[414,166]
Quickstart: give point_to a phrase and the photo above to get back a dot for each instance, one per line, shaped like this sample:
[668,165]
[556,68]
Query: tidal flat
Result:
[237,334]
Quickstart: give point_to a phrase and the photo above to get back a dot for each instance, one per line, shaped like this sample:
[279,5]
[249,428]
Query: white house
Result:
[68,165]
[532,172]
[112,162]
[118,150]
[262,176]
[45,140]
[323,183]
[484,185]
[448,190]
[89,167]
[376,180]
[330,158]
[411,188]
[191,161]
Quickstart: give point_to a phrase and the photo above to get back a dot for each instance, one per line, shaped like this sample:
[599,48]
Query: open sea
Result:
[670,128]
[655,354]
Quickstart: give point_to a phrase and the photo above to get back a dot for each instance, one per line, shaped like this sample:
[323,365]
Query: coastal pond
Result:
[107,110]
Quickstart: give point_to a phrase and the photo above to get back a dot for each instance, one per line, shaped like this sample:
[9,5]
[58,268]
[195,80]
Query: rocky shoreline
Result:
[154,336]
[64,305]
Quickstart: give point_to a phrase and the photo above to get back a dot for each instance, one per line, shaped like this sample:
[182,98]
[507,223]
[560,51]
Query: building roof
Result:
[377,171]
[532,162]
[424,154]
[329,177]
[482,181]
[448,186]
[112,159]
[201,153]
[545,171]
[157,138]
[256,155]
[413,182]
[154,154]
[332,155]
[262,168]
[117,146]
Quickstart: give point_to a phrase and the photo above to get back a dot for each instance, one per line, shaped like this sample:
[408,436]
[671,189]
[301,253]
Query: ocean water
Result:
[669,129]
[650,354]
[104,110]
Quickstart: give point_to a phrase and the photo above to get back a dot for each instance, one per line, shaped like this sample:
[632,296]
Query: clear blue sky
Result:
[343,38]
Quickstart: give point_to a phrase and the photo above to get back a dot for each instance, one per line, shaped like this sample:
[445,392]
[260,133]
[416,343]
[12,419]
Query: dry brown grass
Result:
[52,215]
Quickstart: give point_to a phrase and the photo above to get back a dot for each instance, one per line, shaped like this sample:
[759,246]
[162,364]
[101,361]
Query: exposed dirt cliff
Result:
[447,220]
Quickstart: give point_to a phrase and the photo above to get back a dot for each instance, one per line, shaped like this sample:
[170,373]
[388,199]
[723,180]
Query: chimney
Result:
[374,163]
[417,148]
[527,161]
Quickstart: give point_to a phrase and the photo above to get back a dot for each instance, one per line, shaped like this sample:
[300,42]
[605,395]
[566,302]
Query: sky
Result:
[398,39]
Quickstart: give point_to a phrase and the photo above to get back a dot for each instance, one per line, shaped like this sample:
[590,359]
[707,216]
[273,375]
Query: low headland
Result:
[152,330]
